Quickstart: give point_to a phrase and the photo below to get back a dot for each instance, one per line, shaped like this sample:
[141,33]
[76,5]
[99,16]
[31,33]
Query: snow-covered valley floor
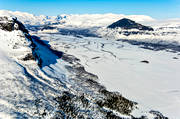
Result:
[154,85]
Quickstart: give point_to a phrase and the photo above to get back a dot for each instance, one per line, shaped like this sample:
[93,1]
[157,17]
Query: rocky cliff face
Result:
[11,24]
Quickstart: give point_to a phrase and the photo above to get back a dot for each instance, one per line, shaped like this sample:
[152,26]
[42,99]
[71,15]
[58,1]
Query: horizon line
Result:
[173,18]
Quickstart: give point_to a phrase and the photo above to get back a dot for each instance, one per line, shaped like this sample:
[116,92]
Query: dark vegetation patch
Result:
[70,104]
[77,32]
[73,106]
[154,46]
[47,27]
[117,102]
[128,33]
[69,58]
[111,100]
[111,115]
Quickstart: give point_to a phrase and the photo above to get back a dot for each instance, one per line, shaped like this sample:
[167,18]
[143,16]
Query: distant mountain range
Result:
[76,20]
[111,26]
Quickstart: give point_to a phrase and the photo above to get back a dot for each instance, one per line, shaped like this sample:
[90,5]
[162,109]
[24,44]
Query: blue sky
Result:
[159,9]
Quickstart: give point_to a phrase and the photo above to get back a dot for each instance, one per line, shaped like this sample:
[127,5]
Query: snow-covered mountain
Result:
[31,19]
[129,24]
[61,66]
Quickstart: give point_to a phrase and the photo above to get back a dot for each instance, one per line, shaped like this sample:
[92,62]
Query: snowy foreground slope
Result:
[46,74]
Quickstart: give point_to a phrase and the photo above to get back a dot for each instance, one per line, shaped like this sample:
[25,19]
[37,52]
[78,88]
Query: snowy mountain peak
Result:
[129,24]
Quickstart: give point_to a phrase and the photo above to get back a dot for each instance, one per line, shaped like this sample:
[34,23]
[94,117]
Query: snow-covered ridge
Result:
[28,18]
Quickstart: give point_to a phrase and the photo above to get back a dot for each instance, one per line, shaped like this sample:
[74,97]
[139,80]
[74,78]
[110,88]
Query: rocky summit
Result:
[129,24]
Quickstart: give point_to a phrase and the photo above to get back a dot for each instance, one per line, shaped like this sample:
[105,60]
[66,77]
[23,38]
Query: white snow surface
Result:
[118,66]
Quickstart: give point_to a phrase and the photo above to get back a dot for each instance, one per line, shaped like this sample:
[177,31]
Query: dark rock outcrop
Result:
[158,115]
[6,24]
[20,26]
[12,24]
[129,24]
[145,61]
[46,27]
[28,57]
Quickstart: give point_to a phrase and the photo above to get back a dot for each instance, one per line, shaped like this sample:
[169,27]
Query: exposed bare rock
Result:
[129,24]
[145,61]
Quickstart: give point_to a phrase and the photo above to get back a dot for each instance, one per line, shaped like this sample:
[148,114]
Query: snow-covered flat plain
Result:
[154,85]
